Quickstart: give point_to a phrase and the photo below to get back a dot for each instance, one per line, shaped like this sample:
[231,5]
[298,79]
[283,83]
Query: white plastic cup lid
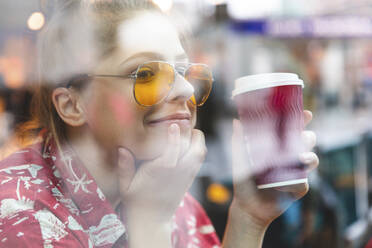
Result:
[265,80]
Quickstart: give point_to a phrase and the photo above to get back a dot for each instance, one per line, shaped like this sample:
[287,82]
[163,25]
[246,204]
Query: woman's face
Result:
[113,115]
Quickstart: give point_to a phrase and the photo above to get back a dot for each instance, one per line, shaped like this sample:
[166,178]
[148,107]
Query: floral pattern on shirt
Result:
[49,199]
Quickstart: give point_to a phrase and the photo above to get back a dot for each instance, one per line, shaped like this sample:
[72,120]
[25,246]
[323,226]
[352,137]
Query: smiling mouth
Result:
[181,119]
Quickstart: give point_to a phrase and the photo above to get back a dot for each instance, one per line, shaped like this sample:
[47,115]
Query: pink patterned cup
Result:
[270,108]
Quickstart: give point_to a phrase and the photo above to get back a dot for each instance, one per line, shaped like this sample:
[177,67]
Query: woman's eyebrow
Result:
[142,56]
[147,56]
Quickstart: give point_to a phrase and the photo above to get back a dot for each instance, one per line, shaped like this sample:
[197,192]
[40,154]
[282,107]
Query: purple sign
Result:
[322,27]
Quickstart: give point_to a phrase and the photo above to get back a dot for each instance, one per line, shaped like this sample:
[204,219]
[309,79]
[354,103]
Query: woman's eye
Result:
[145,75]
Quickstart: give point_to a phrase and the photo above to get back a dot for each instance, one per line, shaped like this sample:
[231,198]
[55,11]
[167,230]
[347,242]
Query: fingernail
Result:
[122,154]
[306,158]
[235,123]
[173,129]
[121,150]
[237,126]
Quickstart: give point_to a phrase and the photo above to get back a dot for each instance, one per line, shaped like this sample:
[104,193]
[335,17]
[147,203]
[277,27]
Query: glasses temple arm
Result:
[132,75]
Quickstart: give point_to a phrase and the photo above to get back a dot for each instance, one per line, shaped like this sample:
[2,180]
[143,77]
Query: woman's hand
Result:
[263,206]
[152,192]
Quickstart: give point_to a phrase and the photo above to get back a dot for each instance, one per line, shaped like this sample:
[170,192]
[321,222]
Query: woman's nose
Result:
[182,90]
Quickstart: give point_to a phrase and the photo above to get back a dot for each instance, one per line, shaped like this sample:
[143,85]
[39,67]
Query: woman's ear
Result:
[68,106]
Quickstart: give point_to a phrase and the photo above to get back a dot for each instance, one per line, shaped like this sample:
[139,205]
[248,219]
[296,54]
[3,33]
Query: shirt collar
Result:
[103,224]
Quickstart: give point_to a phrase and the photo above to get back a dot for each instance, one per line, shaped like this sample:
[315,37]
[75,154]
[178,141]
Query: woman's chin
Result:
[156,149]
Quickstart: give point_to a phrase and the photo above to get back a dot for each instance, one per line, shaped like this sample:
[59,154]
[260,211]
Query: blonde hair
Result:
[79,34]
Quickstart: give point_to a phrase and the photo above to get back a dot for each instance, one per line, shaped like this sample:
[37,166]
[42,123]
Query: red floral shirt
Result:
[369,244]
[49,199]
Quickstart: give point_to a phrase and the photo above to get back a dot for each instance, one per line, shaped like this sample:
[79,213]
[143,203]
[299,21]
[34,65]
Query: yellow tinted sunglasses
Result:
[154,80]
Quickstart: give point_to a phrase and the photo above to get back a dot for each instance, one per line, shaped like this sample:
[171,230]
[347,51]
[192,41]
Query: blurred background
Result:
[327,43]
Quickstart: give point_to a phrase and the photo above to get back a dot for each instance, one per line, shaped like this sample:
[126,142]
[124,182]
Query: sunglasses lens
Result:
[154,80]
[201,79]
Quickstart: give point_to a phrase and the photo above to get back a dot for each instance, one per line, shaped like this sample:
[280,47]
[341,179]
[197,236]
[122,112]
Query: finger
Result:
[126,168]
[239,153]
[172,150]
[310,160]
[297,191]
[308,139]
[167,160]
[308,116]
[195,155]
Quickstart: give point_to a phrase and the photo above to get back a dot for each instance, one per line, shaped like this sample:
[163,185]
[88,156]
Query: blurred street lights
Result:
[164,5]
[36,21]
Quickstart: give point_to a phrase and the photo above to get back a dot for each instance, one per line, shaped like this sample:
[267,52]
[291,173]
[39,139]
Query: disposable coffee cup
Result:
[270,108]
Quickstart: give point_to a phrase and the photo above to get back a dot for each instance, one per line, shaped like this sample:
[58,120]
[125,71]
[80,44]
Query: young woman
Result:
[117,105]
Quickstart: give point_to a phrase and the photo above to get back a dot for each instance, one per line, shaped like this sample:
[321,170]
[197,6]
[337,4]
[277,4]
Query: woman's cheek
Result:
[94,114]
[121,109]
[108,116]
[111,110]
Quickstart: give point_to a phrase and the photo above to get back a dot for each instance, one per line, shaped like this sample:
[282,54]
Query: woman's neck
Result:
[100,164]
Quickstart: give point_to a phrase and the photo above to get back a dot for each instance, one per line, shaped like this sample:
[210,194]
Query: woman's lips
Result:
[180,119]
